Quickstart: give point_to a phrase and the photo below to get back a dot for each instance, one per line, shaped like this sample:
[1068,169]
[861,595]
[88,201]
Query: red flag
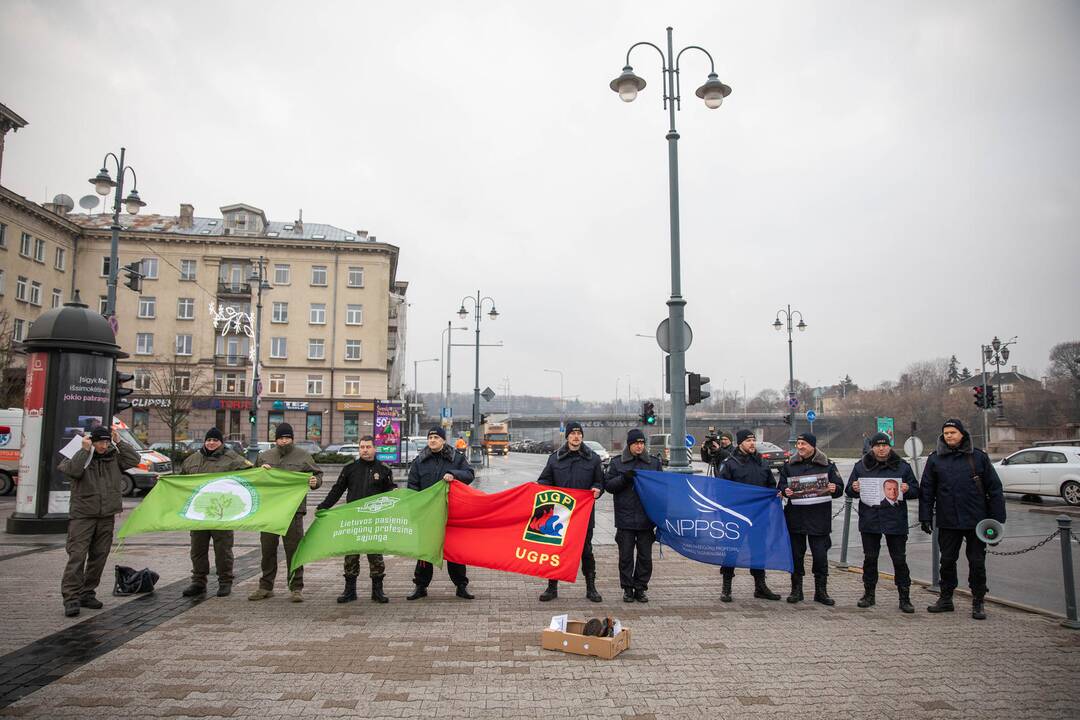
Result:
[530,529]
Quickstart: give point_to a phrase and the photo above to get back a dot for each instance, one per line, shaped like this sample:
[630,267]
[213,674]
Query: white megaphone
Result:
[990,531]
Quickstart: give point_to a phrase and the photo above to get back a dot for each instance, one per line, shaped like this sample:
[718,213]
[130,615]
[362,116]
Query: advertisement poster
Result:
[33,416]
[809,489]
[885,425]
[84,390]
[388,417]
[879,491]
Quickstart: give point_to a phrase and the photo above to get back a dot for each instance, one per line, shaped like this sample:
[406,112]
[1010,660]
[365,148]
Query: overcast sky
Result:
[907,175]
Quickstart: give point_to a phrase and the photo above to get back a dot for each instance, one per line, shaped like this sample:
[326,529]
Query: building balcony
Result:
[238,360]
[231,289]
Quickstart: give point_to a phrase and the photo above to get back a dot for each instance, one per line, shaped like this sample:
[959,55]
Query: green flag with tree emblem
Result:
[254,499]
[400,522]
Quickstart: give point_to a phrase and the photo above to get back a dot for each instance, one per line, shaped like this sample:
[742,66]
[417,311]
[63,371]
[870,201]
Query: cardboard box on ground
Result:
[573,641]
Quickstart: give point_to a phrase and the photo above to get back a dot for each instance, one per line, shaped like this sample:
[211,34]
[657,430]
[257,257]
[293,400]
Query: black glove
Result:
[629,474]
[926,528]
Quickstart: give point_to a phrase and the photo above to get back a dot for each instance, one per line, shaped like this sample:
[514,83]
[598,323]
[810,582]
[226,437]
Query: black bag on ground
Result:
[130,581]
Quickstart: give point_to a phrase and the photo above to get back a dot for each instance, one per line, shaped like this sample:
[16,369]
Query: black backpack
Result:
[130,581]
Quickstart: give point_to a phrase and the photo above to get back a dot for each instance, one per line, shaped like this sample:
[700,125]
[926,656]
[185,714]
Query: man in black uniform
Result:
[633,528]
[361,478]
[439,462]
[745,465]
[575,466]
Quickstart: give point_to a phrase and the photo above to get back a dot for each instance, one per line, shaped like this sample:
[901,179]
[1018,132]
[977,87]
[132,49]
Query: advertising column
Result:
[37,365]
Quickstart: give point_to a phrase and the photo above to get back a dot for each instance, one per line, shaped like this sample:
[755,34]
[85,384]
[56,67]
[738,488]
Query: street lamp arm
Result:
[105,160]
[712,64]
[663,60]
[134,177]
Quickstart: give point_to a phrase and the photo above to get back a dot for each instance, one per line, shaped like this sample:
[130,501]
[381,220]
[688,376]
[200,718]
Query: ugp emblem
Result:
[550,518]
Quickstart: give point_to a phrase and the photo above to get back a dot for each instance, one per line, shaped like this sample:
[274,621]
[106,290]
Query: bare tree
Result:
[176,383]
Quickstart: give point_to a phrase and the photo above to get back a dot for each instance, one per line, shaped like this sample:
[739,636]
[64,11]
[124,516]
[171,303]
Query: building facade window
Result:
[351,427]
[26,245]
[314,384]
[57,297]
[140,424]
[354,314]
[316,349]
[233,349]
[2,277]
[103,304]
[277,384]
[39,250]
[61,259]
[149,268]
[144,343]
[352,385]
[105,266]
[3,236]
[183,344]
[35,293]
[182,381]
[18,329]
[352,349]
[142,379]
[230,383]
[278,348]
[318,275]
[356,277]
[282,274]
[147,306]
[185,308]
[317,314]
[22,288]
[188,269]
[280,312]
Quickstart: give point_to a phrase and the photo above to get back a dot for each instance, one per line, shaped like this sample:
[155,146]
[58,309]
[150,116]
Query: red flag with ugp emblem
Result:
[530,529]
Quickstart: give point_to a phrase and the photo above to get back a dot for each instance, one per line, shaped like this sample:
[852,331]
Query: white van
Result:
[10,442]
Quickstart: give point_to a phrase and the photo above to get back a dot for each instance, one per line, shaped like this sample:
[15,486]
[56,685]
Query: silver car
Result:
[1052,471]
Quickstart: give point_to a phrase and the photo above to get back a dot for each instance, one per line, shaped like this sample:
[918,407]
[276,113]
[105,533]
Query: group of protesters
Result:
[958,488]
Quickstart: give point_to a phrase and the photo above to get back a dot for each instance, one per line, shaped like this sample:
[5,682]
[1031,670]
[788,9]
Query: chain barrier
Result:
[1036,546]
[837,513]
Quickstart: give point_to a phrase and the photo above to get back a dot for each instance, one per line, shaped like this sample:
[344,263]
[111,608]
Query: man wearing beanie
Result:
[285,456]
[959,488]
[745,465]
[634,531]
[575,466]
[888,518]
[439,462]
[212,457]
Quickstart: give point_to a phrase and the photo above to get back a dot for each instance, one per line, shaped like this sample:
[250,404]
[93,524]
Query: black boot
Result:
[725,592]
[943,604]
[905,600]
[590,588]
[377,594]
[641,596]
[628,595]
[552,591]
[419,592]
[349,594]
[868,596]
[90,601]
[978,611]
[762,591]
[193,590]
[821,590]
[464,594]
[796,589]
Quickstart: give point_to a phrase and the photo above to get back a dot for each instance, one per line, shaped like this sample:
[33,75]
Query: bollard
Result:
[1065,528]
[935,561]
[843,565]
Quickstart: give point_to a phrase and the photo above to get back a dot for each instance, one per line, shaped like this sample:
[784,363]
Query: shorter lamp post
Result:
[997,354]
[792,401]
[103,183]
[476,457]
[416,394]
[258,280]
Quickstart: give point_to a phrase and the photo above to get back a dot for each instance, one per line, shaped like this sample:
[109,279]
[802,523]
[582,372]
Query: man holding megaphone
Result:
[961,488]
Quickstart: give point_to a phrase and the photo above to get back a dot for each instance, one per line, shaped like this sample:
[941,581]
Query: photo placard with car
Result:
[877,490]
[809,489]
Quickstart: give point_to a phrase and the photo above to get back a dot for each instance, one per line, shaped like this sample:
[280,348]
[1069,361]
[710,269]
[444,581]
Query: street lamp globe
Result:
[777,325]
[1005,354]
[801,325]
[494,313]
[628,85]
[995,343]
[102,182]
[133,202]
[462,312]
[713,92]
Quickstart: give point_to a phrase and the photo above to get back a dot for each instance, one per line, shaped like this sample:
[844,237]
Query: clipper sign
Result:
[717,521]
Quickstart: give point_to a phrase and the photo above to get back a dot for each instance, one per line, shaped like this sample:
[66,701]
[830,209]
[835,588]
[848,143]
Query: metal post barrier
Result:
[935,561]
[847,531]
[1065,528]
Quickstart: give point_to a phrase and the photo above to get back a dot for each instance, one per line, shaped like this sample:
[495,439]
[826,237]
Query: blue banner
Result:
[716,521]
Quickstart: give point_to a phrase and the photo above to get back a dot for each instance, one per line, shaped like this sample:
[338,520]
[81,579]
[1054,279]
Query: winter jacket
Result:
[949,489]
[884,519]
[221,460]
[749,469]
[810,516]
[96,488]
[580,469]
[629,513]
[359,479]
[428,467]
[295,459]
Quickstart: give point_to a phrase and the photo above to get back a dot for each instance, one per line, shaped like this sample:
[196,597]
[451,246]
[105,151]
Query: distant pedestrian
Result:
[889,518]
[577,467]
[635,533]
[959,489]
[745,465]
[439,462]
[361,478]
[809,519]
[720,454]
[97,474]
[212,457]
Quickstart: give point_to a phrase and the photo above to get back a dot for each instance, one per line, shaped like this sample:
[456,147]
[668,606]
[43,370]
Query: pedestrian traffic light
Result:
[251,416]
[120,392]
[134,276]
[696,393]
[991,400]
[648,414]
[787,419]
[980,396]
[483,418]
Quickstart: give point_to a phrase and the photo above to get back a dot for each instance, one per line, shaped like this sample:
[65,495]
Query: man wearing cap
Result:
[285,456]
[439,462]
[362,478]
[745,465]
[212,457]
[634,531]
[959,489]
[97,475]
[887,518]
[575,466]
[809,519]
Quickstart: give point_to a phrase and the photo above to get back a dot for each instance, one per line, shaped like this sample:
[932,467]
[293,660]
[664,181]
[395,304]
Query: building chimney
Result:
[362,234]
[298,226]
[187,216]
[1015,372]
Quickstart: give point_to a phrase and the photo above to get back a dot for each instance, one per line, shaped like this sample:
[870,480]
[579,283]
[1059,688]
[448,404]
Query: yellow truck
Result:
[495,438]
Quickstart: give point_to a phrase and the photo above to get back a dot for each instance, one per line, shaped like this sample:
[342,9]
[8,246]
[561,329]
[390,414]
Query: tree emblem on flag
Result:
[550,518]
[222,499]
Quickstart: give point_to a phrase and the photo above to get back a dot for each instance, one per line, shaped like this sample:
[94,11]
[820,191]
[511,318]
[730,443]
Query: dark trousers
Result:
[269,542]
[376,566]
[729,572]
[88,543]
[871,547]
[200,555]
[635,573]
[949,542]
[424,570]
[588,560]
[819,551]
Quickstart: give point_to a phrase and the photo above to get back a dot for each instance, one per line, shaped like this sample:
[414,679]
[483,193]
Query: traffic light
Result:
[980,396]
[483,418]
[697,394]
[120,392]
[991,400]
[251,416]
[787,419]
[648,414]
[134,276]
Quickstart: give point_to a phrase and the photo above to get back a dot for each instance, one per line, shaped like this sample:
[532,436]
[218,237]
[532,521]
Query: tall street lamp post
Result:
[997,354]
[445,393]
[713,92]
[562,401]
[793,402]
[258,280]
[103,183]
[416,394]
[476,456]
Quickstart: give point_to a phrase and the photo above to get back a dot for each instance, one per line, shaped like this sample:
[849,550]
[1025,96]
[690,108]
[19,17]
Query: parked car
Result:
[336,447]
[1052,471]
[310,445]
[775,455]
[605,456]
[350,449]
[236,446]
[657,447]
